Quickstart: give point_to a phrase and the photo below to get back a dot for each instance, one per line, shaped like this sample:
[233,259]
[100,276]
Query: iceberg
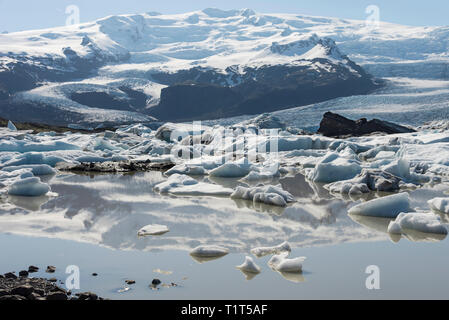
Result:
[424,222]
[264,251]
[271,195]
[439,205]
[11,126]
[387,207]
[28,187]
[153,230]
[249,266]
[209,251]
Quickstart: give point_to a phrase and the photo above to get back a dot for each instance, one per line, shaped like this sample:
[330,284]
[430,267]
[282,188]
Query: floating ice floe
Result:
[424,222]
[335,167]
[388,207]
[249,266]
[231,170]
[208,253]
[271,195]
[282,263]
[368,180]
[28,187]
[153,230]
[439,205]
[187,170]
[264,251]
[36,169]
[11,126]
[178,184]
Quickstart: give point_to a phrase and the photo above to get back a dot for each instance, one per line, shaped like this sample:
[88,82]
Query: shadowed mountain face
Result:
[265,89]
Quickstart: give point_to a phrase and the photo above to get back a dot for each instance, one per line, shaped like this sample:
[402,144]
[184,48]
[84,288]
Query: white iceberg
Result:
[28,187]
[187,170]
[153,230]
[439,205]
[264,251]
[11,126]
[249,266]
[209,251]
[283,264]
[231,170]
[272,195]
[333,167]
[183,185]
[388,207]
[417,221]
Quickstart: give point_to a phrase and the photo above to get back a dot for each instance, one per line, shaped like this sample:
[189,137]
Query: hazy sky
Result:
[18,15]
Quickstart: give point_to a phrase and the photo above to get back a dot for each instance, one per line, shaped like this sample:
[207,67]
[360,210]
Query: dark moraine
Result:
[335,125]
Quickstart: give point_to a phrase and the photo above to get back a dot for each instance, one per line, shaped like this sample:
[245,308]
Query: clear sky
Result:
[18,15]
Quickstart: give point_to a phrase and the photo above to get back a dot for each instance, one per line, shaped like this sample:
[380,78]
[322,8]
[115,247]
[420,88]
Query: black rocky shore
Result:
[22,287]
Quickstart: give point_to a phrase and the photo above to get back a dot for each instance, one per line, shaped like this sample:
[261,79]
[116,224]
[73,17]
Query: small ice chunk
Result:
[439,205]
[188,170]
[36,169]
[272,195]
[264,251]
[183,185]
[335,167]
[291,265]
[417,221]
[231,170]
[270,198]
[249,266]
[153,230]
[281,263]
[11,126]
[176,180]
[387,207]
[28,187]
[209,252]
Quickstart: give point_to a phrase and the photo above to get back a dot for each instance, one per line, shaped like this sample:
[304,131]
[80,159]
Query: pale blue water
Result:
[93,224]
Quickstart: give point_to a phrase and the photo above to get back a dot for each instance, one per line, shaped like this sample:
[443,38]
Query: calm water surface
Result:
[93,224]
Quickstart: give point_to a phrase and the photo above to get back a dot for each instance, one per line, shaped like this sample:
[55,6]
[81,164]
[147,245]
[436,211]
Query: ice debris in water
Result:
[424,222]
[153,230]
[439,205]
[28,187]
[264,251]
[249,266]
[282,263]
[178,184]
[387,207]
[187,170]
[11,126]
[231,170]
[209,251]
[271,195]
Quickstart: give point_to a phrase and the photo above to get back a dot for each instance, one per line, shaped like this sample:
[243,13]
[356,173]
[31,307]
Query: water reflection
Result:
[108,210]
[381,225]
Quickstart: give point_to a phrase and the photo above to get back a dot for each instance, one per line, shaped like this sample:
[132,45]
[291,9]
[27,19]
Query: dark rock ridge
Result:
[335,125]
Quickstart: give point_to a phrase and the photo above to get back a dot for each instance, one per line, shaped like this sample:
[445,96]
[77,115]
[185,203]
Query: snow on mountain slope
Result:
[216,38]
[130,59]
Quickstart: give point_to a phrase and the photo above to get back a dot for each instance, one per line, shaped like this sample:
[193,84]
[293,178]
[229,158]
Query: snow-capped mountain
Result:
[205,64]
